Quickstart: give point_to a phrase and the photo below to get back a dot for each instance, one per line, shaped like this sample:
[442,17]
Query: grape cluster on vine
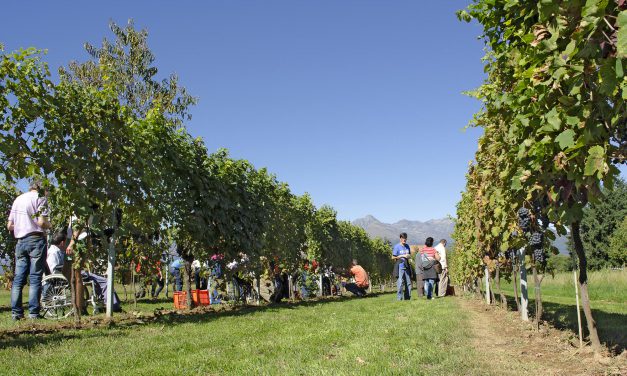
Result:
[524,219]
[535,241]
[539,255]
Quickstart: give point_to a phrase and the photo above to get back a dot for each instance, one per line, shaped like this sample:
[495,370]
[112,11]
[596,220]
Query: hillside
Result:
[417,231]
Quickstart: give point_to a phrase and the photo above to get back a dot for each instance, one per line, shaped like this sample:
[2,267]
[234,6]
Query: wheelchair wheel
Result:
[56,298]
[93,305]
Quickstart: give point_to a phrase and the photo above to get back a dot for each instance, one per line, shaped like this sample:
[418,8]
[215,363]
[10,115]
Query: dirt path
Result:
[517,348]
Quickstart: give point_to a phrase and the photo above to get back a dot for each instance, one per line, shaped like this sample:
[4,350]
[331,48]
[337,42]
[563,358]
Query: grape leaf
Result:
[566,139]
[595,160]
[621,43]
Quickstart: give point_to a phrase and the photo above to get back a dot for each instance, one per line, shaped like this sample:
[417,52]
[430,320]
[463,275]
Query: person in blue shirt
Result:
[402,268]
[175,270]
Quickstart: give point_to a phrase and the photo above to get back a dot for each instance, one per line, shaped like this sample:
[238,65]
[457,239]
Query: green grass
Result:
[608,300]
[376,335]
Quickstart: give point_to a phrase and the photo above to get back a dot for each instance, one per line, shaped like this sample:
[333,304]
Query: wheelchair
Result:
[56,297]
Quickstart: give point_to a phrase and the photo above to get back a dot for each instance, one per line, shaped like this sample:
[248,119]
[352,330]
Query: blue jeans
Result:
[178,279]
[429,287]
[403,284]
[29,262]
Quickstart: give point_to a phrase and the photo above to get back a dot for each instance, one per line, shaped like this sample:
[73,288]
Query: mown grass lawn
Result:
[374,335]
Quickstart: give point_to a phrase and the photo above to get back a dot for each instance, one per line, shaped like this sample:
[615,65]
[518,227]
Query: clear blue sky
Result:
[358,103]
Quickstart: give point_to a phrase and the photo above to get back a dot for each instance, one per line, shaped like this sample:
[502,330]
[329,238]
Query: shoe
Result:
[17,318]
[36,317]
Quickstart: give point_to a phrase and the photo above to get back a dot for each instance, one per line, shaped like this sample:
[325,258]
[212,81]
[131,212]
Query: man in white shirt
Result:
[28,221]
[443,284]
[56,255]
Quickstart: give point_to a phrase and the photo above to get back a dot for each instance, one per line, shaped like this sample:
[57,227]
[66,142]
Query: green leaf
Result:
[608,78]
[566,139]
[621,43]
[553,118]
[595,160]
[619,68]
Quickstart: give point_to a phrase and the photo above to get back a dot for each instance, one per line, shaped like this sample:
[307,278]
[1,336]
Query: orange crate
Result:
[200,297]
[180,299]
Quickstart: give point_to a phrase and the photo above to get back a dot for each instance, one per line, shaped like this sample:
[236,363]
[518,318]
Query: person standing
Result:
[28,221]
[402,269]
[429,258]
[443,276]
[175,270]
[419,275]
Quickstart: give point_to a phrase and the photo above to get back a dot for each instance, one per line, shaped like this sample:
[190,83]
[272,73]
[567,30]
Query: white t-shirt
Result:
[441,250]
[55,259]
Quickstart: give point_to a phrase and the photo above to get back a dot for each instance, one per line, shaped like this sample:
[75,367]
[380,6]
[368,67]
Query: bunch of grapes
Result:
[535,241]
[524,219]
[539,256]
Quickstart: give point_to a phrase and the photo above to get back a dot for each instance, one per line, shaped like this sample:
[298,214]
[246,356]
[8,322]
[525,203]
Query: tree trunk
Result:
[487,284]
[515,279]
[188,283]
[583,287]
[536,289]
[77,309]
[134,286]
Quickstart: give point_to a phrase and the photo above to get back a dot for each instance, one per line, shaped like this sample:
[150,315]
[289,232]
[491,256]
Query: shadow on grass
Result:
[49,334]
[31,341]
[612,327]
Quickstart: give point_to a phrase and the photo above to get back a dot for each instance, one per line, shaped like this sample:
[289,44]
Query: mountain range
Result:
[417,231]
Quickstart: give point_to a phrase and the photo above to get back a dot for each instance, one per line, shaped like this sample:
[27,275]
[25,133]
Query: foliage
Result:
[617,252]
[600,220]
[554,125]
[109,141]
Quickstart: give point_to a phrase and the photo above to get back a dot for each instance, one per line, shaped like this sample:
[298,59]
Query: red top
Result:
[429,251]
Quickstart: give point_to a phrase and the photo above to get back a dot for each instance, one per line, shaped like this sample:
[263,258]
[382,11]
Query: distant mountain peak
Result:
[417,231]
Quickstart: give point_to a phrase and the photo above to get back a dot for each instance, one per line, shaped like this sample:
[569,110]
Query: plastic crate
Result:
[180,299]
[200,297]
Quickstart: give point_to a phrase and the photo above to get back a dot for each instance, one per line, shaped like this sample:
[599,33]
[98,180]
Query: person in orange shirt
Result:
[362,281]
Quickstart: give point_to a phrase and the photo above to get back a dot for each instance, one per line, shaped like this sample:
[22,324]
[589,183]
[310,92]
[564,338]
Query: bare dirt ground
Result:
[518,348]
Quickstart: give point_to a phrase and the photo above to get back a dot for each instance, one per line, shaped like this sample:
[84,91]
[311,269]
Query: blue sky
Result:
[358,103]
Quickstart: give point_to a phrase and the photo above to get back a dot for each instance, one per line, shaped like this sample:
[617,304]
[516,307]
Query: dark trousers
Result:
[356,290]
[420,284]
[157,286]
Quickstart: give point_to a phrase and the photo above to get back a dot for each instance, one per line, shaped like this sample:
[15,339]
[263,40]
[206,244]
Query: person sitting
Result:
[56,253]
[362,281]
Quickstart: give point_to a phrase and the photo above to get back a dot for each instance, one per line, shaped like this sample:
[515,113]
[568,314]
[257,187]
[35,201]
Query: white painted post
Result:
[578,310]
[524,299]
[320,285]
[258,290]
[167,271]
[487,284]
[110,267]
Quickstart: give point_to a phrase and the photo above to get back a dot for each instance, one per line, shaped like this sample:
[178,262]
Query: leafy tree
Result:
[600,220]
[617,252]
[556,90]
